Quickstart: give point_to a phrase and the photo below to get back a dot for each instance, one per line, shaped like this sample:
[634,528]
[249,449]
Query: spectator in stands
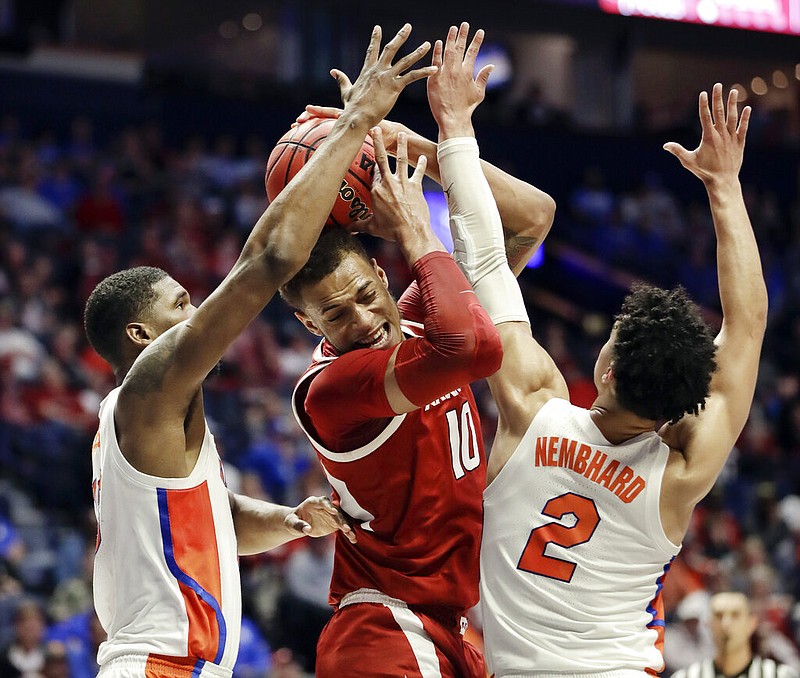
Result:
[24,655]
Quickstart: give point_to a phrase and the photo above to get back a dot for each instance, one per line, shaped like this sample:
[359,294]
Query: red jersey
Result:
[412,483]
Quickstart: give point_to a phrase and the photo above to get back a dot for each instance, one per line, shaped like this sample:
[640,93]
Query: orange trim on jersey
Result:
[194,557]
[164,666]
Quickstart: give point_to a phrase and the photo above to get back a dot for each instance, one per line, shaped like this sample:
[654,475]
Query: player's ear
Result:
[608,375]
[140,334]
[380,273]
[307,323]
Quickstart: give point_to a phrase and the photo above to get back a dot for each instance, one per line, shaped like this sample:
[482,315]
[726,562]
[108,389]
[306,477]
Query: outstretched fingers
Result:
[732,118]
[374,46]
[419,170]
[381,157]
[473,49]
[718,105]
[402,155]
[706,121]
[393,46]
[409,60]
[744,122]
[438,51]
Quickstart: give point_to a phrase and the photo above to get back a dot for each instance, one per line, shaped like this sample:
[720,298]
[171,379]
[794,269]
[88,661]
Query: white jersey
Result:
[574,555]
[166,575]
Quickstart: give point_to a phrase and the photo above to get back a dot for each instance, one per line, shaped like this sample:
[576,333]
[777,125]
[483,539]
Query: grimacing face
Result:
[732,622]
[352,307]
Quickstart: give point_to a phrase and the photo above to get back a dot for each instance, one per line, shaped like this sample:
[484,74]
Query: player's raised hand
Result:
[719,155]
[398,203]
[380,82]
[317,517]
[454,92]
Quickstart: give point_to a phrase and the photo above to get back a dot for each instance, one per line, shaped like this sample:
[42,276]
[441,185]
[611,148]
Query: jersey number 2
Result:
[463,441]
[587,518]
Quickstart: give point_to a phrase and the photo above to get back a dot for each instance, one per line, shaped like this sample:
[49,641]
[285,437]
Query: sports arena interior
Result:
[136,132]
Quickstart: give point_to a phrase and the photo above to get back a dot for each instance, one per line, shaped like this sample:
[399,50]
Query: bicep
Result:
[707,438]
[349,392]
[526,380]
[219,320]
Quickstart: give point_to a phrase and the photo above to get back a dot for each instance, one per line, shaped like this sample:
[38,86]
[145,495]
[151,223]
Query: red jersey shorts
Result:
[387,639]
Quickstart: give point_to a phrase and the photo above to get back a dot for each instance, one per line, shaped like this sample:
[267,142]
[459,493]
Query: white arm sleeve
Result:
[477,231]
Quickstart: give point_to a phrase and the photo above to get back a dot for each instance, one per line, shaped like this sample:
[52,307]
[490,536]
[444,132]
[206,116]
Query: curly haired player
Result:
[585,509]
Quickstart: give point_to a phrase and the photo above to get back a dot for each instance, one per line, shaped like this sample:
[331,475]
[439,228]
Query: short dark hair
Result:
[334,244]
[664,354]
[118,300]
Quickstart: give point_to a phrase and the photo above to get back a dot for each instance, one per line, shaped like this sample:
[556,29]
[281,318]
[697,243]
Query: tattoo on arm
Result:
[148,374]
[517,246]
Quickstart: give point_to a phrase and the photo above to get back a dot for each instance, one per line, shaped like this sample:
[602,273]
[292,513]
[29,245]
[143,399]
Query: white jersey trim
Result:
[364,450]
[135,476]
[352,455]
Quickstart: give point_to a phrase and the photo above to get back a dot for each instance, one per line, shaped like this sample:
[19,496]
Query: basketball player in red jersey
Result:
[585,508]
[166,574]
[387,406]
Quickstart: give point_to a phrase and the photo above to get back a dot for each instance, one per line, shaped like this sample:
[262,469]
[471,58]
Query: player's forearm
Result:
[460,343]
[284,235]
[742,289]
[259,525]
[477,231]
[526,212]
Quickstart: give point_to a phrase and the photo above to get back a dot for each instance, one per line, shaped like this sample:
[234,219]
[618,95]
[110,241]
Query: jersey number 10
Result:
[464,449]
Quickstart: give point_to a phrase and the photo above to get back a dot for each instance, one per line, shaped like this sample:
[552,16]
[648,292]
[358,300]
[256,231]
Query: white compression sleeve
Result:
[477,231]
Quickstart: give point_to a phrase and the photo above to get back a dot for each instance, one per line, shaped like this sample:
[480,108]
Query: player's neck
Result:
[734,662]
[616,423]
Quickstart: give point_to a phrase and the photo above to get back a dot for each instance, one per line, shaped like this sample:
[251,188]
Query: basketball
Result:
[296,147]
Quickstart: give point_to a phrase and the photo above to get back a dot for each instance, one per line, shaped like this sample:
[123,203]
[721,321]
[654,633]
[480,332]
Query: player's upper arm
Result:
[348,394]
[707,438]
[175,365]
[526,380]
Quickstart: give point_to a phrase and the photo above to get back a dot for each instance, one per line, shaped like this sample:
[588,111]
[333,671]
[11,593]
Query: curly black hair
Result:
[117,300]
[663,355]
[334,244]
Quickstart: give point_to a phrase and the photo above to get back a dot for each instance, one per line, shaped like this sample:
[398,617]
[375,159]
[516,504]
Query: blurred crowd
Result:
[76,206]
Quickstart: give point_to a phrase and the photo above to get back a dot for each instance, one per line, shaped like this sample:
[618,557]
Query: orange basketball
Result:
[294,149]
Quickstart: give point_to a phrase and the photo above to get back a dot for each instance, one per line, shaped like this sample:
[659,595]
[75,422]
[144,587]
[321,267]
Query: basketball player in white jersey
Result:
[166,580]
[585,509]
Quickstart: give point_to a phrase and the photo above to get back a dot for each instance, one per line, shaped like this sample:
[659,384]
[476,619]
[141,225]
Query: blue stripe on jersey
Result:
[659,586]
[182,577]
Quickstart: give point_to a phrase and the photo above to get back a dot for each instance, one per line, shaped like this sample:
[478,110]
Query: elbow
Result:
[547,211]
[543,213]
[277,263]
[486,354]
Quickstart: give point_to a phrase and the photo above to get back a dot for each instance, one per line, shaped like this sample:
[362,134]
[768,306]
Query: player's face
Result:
[171,306]
[352,307]
[731,623]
